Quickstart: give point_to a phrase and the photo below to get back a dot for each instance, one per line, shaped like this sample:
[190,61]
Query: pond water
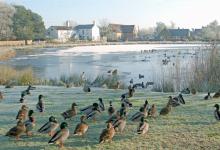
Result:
[153,61]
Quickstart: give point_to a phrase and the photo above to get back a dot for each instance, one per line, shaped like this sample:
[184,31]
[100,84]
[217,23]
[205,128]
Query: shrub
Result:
[10,75]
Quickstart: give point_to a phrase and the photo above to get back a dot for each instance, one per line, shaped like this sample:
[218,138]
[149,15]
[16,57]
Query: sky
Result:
[143,13]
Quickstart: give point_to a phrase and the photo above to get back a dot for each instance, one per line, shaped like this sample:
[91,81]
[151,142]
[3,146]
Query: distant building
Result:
[87,32]
[177,34]
[120,32]
[60,33]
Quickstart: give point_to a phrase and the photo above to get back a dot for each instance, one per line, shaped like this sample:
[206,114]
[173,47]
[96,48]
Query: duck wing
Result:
[135,116]
[12,131]
[56,137]
[86,109]
[45,127]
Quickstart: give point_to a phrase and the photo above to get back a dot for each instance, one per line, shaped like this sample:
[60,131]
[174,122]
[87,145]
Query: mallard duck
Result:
[93,114]
[129,94]
[217,94]
[71,112]
[60,136]
[17,131]
[136,85]
[120,123]
[40,104]
[179,99]
[22,113]
[152,112]
[123,110]
[140,76]
[113,117]
[167,109]
[49,127]
[22,98]
[138,115]
[175,102]
[126,101]
[146,105]
[111,109]
[82,127]
[1,95]
[101,104]
[216,112]
[30,123]
[185,91]
[142,127]
[89,108]
[86,88]
[208,96]
[107,134]
[27,91]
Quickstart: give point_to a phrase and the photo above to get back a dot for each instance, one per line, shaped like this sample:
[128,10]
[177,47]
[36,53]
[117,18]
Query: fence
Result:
[15,43]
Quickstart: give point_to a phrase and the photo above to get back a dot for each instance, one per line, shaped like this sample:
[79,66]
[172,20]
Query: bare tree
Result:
[145,33]
[6,14]
[104,27]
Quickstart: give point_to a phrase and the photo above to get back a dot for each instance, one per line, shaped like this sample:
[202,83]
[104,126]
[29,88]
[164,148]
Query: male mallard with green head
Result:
[82,127]
[142,127]
[40,105]
[138,115]
[30,123]
[93,114]
[120,123]
[49,127]
[60,136]
[208,96]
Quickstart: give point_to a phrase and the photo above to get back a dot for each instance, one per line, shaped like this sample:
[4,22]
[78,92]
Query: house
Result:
[87,32]
[120,32]
[60,33]
[177,34]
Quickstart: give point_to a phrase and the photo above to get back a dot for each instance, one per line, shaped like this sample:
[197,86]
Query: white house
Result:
[60,33]
[87,32]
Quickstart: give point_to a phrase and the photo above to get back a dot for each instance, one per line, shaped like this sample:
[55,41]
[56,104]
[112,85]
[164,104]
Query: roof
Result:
[61,27]
[179,32]
[122,28]
[85,26]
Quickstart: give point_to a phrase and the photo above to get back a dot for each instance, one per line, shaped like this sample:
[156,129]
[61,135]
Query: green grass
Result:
[191,126]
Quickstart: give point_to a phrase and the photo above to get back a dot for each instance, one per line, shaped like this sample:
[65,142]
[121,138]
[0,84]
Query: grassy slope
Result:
[191,126]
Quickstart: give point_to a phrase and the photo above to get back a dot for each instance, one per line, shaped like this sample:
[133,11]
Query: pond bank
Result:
[6,53]
[77,44]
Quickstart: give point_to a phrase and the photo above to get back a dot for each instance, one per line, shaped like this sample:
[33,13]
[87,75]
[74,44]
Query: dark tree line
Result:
[20,23]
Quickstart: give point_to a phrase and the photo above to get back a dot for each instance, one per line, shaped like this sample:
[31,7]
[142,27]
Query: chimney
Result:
[68,23]
[94,22]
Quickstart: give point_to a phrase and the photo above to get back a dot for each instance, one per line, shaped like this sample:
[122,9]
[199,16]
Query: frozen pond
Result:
[152,61]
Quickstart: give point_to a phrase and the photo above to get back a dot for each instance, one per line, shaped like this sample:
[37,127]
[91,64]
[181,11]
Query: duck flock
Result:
[116,123]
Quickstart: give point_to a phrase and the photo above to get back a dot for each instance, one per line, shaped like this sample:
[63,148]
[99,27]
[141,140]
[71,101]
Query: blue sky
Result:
[144,13]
